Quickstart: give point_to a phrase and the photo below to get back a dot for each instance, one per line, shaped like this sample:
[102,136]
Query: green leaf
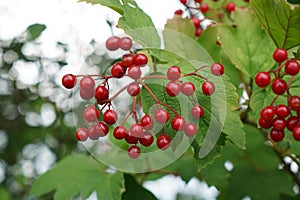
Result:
[182,25]
[79,175]
[247,45]
[112,4]
[280,20]
[35,30]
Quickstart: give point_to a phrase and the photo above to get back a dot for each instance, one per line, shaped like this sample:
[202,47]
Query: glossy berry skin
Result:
[262,79]
[87,94]
[81,134]
[190,129]
[280,55]
[230,7]
[198,31]
[91,114]
[282,111]
[292,67]
[120,132]
[173,73]
[101,93]
[92,133]
[136,130]
[198,1]
[188,88]
[265,123]
[197,111]
[196,21]
[294,103]
[127,60]
[110,117]
[101,129]
[178,12]
[279,86]
[292,122]
[134,72]
[173,88]
[277,136]
[87,83]
[208,88]
[147,139]
[134,152]
[69,81]
[130,139]
[296,133]
[217,69]
[117,70]
[125,43]
[147,122]
[267,113]
[178,123]
[112,43]
[279,124]
[163,141]
[204,8]
[161,115]
[140,59]
[183,1]
[133,89]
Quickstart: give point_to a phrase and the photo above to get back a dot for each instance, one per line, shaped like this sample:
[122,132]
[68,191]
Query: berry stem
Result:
[119,92]
[195,74]
[134,110]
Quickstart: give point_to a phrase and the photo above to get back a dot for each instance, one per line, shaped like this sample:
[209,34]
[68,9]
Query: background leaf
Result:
[112,4]
[35,30]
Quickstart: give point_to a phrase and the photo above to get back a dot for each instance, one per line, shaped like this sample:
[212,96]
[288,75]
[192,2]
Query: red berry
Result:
[140,59]
[197,111]
[161,115]
[262,79]
[134,72]
[87,94]
[87,83]
[69,81]
[101,93]
[147,122]
[91,114]
[125,43]
[279,86]
[147,139]
[208,88]
[292,122]
[198,1]
[198,31]
[117,70]
[230,7]
[127,60]
[120,132]
[133,89]
[112,43]
[178,12]
[277,136]
[247,1]
[101,129]
[264,123]
[279,124]
[81,134]
[134,152]
[282,111]
[173,73]
[178,123]
[173,88]
[183,1]
[188,88]
[190,129]
[196,21]
[292,67]
[296,133]
[267,113]
[92,133]
[204,8]
[294,103]
[163,141]
[130,139]
[136,130]
[217,69]
[110,117]
[280,55]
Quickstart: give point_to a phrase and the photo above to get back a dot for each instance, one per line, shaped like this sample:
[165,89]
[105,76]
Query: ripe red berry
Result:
[178,12]
[188,88]
[147,122]
[173,88]
[147,139]
[161,115]
[81,134]
[230,7]
[69,81]
[134,152]
[91,114]
[163,141]
[183,1]
[198,1]
[134,72]
[125,43]
[87,94]
[267,113]
[280,55]
[197,111]
[196,21]
[112,43]
[279,124]
[296,133]
[294,102]
[101,93]
[217,69]
[101,129]
[120,132]
[140,59]
[208,88]
[130,139]
[110,116]
[262,79]
[279,86]
[92,133]
[292,67]
[133,89]
[117,70]
[87,83]
[173,73]
[198,31]
[292,122]
[190,129]
[204,8]
[264,123]
[136,130]
[127,60]
[282,111]
[277,136]
[178,123]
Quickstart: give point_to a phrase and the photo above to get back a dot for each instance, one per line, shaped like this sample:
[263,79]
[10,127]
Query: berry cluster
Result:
[280,117]
[140,131]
